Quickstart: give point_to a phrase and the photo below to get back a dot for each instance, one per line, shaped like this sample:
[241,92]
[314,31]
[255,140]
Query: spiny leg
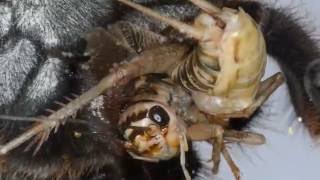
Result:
[137,66]
[267,87]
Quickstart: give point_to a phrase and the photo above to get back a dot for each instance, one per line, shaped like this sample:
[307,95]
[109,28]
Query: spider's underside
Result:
[33,76]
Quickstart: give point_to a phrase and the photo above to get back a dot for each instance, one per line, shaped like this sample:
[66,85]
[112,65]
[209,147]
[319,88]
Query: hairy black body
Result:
[32,78]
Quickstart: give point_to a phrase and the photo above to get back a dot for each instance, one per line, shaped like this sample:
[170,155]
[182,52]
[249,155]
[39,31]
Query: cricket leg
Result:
[245,137]
[183,149]
[234,168]
[213,132]
[267,87]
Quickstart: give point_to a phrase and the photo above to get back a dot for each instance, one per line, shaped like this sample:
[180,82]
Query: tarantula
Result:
[83,148]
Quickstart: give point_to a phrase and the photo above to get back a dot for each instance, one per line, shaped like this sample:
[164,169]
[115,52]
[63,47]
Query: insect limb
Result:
[203,132]
[244,137]
[206,6]
[183,157]
[234,168]
[182,27]
[217,142]
[267,87]
[26,136]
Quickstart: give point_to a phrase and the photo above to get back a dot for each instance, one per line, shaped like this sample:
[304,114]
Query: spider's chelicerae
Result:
[48,57]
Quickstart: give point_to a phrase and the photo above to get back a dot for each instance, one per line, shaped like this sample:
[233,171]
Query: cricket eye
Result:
[159,115]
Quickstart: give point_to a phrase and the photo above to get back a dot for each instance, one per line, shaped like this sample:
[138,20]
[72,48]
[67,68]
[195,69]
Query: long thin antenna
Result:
[19,118]
[182,27]
[206,6]
[38,119]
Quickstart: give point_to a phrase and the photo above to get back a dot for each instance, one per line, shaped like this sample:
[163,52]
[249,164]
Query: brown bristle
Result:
[311,118]
[74,95]
[59,103]
[50,111]
[67,98]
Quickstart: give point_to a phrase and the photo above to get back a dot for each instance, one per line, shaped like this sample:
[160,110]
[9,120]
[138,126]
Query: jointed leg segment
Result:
[267,87]
[234,168]
[217,135]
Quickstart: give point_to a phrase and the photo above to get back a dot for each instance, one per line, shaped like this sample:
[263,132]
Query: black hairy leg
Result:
[290,43]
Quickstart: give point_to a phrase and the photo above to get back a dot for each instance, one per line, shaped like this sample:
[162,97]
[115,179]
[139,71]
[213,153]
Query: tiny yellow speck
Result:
[77,134]
[290,131]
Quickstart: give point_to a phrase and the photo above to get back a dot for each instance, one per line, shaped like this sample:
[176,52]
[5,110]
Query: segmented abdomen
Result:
[224,76]
[197,72]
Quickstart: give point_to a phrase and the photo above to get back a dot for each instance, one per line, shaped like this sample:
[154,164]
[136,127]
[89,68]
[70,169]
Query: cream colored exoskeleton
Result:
[223,72]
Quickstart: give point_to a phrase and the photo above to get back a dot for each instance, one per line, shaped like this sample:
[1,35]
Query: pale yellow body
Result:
[240,52]
[223,75]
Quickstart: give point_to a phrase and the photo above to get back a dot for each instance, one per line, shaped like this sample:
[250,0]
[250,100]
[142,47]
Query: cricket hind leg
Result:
[267,87]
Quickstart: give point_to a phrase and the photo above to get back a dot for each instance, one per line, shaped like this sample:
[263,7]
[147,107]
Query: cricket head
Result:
[151,130]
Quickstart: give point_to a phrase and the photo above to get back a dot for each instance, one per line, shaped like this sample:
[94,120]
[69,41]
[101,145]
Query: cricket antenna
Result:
[206,6]
[182,27]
